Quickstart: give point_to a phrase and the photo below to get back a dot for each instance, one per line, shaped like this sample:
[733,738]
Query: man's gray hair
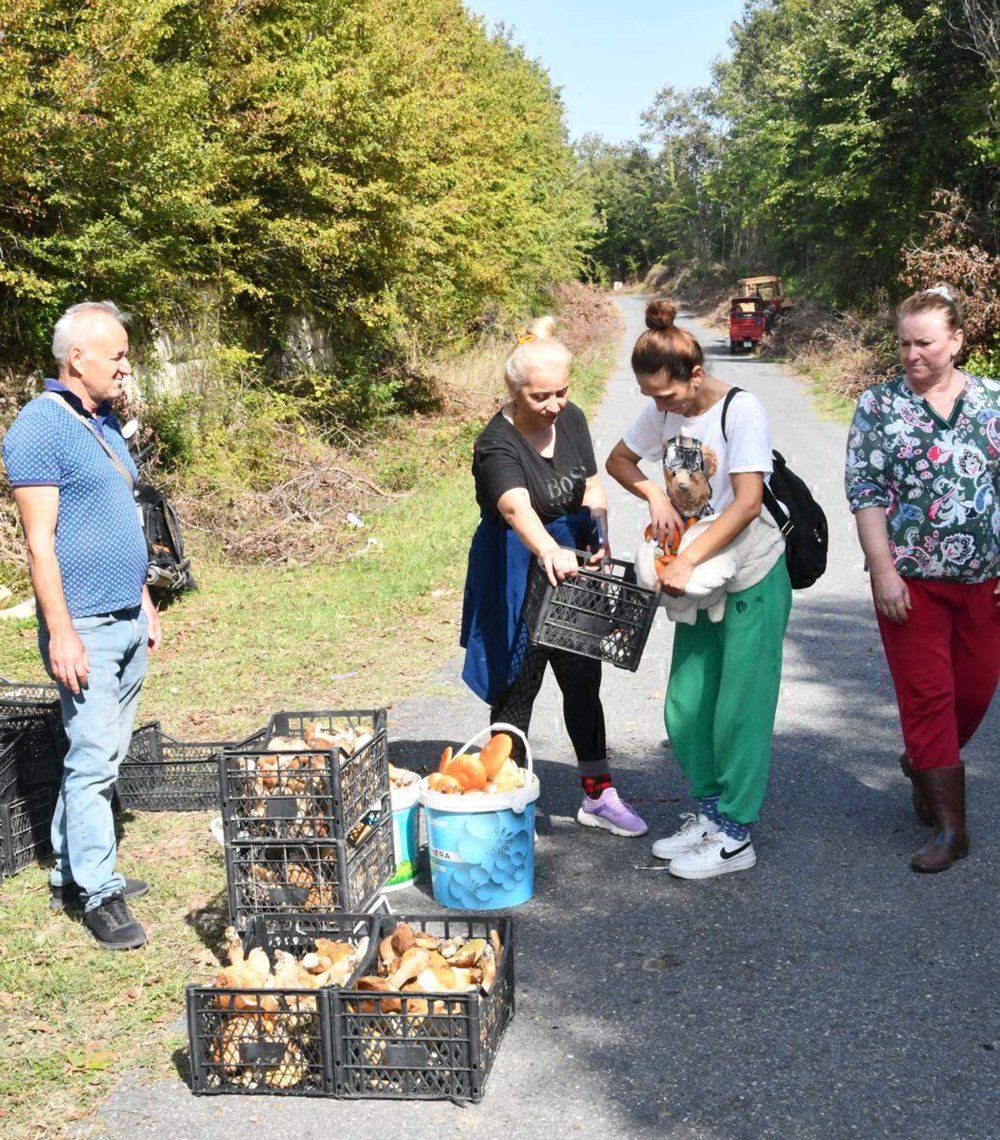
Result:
[68,326]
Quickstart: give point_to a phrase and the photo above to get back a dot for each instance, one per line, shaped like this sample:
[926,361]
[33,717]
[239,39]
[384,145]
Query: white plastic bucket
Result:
[482,848]
[405,833]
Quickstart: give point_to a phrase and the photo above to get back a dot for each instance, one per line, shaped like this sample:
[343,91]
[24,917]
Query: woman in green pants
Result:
[724,675]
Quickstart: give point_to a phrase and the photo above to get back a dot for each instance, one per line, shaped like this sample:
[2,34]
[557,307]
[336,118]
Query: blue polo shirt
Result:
[100,547]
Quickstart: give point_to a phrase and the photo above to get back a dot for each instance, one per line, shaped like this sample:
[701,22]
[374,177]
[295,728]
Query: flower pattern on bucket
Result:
[495,861]
[933,475]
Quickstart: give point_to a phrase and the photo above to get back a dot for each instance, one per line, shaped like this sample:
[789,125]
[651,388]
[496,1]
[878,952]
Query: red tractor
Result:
[748,321]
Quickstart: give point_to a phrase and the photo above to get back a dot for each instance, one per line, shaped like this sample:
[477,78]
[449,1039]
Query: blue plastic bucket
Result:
[482,847]
[405,834]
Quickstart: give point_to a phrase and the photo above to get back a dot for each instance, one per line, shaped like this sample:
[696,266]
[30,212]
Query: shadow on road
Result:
[828,985]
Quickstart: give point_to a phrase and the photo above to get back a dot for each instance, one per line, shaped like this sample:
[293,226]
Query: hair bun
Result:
[660,314]
[543,328]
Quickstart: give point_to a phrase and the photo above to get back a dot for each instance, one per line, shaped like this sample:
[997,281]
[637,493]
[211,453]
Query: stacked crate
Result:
[162,773]
[308,831]
[32,746]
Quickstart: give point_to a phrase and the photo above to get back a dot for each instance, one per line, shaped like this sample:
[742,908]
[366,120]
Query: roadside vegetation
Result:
[852,149]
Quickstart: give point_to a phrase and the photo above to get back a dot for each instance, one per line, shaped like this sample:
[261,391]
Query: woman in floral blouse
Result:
[922,480]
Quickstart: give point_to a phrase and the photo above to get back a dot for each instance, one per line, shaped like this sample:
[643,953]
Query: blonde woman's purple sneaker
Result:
[611,813]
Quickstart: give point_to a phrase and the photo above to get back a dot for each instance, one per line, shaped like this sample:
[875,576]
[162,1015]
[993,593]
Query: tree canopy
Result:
[389,171]
[819,148]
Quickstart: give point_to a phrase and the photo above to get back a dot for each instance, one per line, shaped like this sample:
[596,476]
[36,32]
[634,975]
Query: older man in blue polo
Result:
[72,477]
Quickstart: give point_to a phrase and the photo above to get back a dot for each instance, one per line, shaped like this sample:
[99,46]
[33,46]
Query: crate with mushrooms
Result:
[321,877]
[425,1016]
[316,775]
[307,815]
[263,1026]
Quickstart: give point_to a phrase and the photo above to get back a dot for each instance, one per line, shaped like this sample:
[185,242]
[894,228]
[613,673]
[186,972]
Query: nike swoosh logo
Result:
[732,854]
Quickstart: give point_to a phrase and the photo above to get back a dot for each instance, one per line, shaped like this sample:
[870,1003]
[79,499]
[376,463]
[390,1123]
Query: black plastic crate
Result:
[412,1046]
[31,754]
[26,829]
[161,773]
[318,794]
[270,1041]
[599,614]
[316,877]
[21,698]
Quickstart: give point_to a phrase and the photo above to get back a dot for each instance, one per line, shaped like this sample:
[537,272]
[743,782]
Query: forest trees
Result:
[386,171]
[828,132]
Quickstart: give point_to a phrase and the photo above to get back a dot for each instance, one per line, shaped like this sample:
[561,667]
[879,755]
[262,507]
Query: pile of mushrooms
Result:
[469,773]
[417,962]
[401,777]
[265,1013]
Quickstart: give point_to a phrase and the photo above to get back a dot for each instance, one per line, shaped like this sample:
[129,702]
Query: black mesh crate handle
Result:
[603,614]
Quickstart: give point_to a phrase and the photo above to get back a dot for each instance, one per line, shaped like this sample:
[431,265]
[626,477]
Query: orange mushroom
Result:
[495,752]
[469,771]
[440,782]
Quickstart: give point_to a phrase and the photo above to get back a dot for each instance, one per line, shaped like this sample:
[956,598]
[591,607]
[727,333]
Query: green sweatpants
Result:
[722,693]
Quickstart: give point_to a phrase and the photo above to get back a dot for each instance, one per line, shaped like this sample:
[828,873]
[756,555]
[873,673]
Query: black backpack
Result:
[169,570]
[799,517]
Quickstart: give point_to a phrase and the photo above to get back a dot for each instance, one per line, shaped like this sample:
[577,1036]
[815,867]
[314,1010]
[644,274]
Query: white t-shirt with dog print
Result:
[748,447]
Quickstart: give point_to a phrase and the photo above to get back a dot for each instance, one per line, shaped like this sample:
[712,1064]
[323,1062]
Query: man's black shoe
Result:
[113,926]
[67,897]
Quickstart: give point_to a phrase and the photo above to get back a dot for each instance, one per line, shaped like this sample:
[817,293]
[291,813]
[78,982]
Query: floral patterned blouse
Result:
[937,479]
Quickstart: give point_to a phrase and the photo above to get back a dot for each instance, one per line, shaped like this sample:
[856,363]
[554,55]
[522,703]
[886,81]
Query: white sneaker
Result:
[716,854]
[691,832]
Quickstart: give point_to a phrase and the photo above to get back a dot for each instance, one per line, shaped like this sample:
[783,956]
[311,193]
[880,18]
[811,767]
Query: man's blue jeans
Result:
[98,722]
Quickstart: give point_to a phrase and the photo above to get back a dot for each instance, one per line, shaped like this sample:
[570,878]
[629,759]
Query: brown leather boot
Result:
[943,789]
[924,813]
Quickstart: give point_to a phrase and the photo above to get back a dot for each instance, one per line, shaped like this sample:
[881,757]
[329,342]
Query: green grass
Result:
[828,401]
[74,1018]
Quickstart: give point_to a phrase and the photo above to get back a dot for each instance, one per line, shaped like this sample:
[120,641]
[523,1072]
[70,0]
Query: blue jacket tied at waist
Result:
[493,635]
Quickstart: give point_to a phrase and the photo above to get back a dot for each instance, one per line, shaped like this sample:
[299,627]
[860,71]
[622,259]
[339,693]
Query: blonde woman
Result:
[539,497]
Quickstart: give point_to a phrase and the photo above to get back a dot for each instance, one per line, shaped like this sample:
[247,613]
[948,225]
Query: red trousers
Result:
[945,665]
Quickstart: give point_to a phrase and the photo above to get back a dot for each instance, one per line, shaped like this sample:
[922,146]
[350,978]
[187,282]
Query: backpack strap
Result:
[730,396]
[775,509]
[112,455]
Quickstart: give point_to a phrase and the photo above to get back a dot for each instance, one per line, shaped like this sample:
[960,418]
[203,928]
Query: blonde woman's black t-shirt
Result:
[503,459]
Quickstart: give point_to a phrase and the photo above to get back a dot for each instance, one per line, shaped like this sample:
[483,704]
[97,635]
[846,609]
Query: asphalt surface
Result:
[829,992]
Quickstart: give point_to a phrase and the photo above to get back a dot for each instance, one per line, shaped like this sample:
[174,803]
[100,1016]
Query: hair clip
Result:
[942,291]
[525,337]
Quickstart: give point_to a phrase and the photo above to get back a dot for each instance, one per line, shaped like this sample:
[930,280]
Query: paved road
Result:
[827,993]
